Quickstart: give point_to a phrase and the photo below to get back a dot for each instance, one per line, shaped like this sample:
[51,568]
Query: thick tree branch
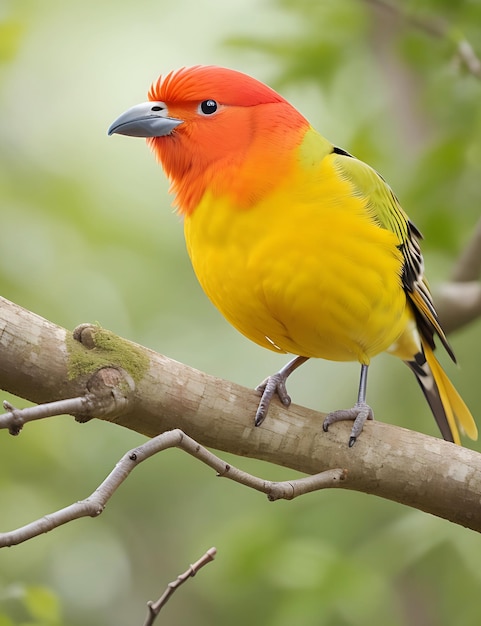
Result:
[459,301]
[42,363]
[468,266]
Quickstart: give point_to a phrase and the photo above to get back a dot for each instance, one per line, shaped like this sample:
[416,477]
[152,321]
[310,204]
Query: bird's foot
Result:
[271,386]
[359,413]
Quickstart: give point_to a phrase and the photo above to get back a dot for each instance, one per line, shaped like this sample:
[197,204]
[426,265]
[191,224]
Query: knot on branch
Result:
[85,334]
[113,364]
[109,391]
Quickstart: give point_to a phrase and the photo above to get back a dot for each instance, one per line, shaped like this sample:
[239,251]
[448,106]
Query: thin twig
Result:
[108,392]
[438,28]
[155,607]
[468,58]
[434,27]
[14,419]
[94,504]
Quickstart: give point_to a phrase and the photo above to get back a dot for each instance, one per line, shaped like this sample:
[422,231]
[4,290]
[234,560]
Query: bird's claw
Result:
[359,413]
[271,386]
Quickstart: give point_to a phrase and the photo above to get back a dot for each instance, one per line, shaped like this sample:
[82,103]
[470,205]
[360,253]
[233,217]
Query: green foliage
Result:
[88,234]
[33,605]
[10,35]
[303,54]
[42,605]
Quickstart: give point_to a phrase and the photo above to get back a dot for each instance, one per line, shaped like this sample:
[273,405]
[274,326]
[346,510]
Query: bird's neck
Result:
[243,166]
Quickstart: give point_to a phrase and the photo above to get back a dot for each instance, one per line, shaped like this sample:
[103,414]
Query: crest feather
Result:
[191,84]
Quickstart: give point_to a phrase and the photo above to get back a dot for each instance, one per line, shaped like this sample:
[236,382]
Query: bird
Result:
[303,248]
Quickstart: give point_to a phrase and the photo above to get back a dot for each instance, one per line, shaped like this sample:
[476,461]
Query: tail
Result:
[449,410]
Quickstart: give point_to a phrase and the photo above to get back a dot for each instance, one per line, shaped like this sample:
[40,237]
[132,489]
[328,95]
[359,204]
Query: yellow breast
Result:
[304,270]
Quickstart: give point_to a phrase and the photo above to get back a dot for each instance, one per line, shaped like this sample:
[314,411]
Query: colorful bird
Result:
[302,247]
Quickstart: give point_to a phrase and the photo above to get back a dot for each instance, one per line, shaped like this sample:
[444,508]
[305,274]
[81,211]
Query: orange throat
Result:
[244,166]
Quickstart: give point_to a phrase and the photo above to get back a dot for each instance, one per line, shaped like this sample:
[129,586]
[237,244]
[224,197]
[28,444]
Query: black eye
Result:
[208,107]
[157,108]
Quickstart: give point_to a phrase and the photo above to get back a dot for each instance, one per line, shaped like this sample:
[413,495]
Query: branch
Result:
[94,504]
[459,301]
[43,363]
[155,607]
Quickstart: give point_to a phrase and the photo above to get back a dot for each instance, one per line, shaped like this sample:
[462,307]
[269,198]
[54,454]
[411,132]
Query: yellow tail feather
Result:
[457,413]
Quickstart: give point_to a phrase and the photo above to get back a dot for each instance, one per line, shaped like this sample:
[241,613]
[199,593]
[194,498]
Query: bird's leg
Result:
[360,412]
[276,384]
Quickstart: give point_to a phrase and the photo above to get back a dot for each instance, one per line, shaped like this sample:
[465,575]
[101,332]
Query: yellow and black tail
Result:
[449,410]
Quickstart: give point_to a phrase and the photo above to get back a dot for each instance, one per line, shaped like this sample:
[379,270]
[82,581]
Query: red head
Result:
[218,129]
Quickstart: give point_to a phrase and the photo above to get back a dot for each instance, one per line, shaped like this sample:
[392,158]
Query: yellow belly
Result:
[315,278]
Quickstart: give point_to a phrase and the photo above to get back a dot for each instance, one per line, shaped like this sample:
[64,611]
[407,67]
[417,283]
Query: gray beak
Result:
[148,119]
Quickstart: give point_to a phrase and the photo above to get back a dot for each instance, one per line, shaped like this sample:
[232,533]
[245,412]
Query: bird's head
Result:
[208,125]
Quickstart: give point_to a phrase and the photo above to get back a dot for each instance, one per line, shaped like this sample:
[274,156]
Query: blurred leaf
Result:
[43,605]
[10,38]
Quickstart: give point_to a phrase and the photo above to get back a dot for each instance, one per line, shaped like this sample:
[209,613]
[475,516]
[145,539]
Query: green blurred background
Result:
[87,234]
